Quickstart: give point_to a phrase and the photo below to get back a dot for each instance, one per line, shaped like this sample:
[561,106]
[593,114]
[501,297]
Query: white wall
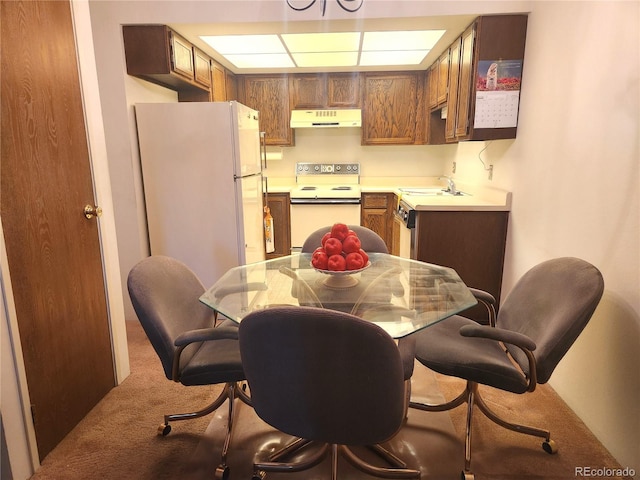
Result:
[573,169]
[574,173]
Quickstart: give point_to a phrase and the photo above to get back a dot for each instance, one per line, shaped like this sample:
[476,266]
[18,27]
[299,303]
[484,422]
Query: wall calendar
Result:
[497,93]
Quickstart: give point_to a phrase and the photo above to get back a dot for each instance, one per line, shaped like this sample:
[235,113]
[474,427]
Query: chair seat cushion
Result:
[442,349]
[214,362]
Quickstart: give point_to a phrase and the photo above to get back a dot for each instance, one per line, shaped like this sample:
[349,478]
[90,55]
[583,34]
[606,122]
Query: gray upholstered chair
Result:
[371,241]
[183,332]
[520,347]
[324,376]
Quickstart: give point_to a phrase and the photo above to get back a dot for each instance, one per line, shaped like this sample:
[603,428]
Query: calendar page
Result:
[497,93]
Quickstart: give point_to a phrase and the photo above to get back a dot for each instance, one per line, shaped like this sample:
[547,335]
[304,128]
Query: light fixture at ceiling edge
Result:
[341,3]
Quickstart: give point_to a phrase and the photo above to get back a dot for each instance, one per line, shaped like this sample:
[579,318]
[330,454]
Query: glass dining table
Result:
[400,295]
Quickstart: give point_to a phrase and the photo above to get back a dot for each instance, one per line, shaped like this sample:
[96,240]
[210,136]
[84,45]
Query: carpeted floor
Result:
[117,439]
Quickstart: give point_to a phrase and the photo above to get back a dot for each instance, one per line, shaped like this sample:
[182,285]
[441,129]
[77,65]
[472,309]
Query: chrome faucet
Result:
[451,185]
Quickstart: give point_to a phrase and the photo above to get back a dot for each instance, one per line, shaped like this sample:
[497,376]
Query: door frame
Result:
[16,418]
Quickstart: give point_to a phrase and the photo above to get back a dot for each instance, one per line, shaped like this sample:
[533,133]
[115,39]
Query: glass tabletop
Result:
[398,294]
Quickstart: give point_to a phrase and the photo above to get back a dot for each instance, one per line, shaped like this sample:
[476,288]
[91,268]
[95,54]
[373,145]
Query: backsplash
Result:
[342,145]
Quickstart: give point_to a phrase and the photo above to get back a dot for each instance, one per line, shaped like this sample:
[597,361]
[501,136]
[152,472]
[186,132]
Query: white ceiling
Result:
[454,25]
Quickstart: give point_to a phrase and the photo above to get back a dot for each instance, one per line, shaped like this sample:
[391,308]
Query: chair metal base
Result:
[230,391]
[472,397]
[275,462]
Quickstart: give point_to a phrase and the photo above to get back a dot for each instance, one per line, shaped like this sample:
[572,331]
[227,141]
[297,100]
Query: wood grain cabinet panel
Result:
[279,206]
[377,214]
[308,91]
[343,90]
[158,54]
[269,94]
[390,106]
[325,90]
[472,243]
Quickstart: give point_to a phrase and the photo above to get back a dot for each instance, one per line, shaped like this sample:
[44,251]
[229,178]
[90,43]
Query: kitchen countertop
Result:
[475,198]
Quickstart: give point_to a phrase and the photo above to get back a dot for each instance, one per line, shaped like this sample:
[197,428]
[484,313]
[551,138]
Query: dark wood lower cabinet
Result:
[279,205]
[470,242]
[377,215]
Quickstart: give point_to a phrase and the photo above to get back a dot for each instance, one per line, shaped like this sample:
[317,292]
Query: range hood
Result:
[351,117]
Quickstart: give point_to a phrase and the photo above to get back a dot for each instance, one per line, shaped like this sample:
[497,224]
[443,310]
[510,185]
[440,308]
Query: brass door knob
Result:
[91,211]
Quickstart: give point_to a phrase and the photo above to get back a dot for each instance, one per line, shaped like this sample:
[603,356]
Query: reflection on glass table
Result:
[398,294]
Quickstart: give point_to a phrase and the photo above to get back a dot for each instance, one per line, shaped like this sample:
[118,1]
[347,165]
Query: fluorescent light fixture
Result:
[322,42]
[326,59]
[325,49]
[401,40]
[388,57]
[241,44]
[261,60]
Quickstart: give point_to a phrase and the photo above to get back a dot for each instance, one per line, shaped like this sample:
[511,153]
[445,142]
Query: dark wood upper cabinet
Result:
[474,112]
[343,90]
[269,94]
[158,54]
[325,90]
[390,107]
[308,91]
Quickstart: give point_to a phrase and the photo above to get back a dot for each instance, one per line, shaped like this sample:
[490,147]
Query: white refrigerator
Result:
[202,175]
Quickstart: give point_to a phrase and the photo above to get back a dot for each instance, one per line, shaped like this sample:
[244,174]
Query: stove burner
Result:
[345,187]
[308,188]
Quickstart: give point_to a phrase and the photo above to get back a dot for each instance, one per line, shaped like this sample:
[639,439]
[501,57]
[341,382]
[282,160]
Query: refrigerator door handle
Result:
[263,150]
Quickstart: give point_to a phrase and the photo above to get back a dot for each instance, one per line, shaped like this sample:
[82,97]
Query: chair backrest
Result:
[551,304]
[323,375]
[371,241]
[164,293]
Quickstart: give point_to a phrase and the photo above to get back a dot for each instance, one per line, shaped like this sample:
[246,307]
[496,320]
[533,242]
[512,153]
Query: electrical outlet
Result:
[453,167]
[490,172]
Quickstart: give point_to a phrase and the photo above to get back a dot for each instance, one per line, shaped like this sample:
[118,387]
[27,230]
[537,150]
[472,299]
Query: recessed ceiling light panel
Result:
[401,57]
[401,40]
[262,60]
[326,59]
[240,44]
[322,42]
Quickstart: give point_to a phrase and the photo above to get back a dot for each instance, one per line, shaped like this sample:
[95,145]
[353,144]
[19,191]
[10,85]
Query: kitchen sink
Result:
[429,191]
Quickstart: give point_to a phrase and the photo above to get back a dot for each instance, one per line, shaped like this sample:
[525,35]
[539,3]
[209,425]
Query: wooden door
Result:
[53,251]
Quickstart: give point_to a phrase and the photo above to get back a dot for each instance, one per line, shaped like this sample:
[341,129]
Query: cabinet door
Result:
[270,96]
[202,64]
[443,77]
[452,96]
[231,85]
[465,86]
[343,90]
[279,206]
[433,86]
[377,215]
[308,91]
[181,56]
[219,75]
[390,106]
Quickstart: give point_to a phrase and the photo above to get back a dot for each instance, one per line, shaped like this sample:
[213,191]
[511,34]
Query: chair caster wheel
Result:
[550,447]
[164,429]
[222,472]
[259,475]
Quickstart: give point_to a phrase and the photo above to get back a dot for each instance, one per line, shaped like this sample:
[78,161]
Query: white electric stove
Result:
[326,193]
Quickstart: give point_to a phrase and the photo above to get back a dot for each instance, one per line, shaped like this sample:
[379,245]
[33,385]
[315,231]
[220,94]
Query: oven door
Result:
[309,215]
